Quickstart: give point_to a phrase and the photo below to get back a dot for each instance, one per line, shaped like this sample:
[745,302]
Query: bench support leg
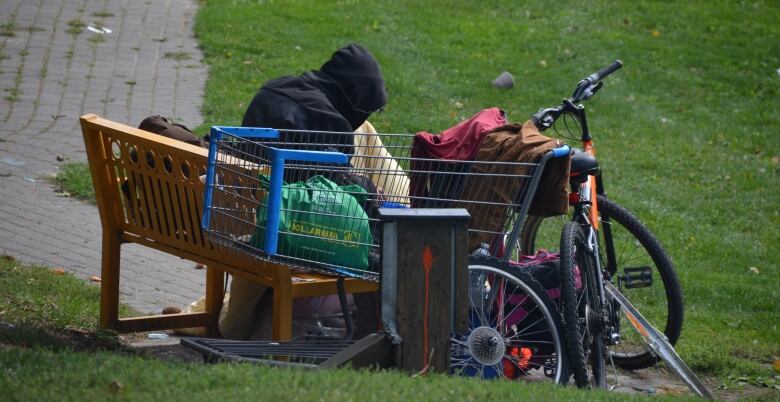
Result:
[215,293]
[282,320]
[109,285]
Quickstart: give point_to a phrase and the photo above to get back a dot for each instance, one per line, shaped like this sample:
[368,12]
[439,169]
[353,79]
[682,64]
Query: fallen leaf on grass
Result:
[655,33]
[58,271]
[115,386]
[776,364]
[94,278]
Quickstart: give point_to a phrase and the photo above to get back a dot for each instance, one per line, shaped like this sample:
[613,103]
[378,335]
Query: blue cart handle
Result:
[278,158]
[561,151]
[244,132]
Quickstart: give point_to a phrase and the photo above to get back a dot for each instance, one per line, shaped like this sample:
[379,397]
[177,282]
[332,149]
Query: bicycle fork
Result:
[588,210]
[609,327]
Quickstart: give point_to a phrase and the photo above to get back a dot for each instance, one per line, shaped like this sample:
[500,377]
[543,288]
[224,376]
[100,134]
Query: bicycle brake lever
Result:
[548,121]
[544,118]
[591,90]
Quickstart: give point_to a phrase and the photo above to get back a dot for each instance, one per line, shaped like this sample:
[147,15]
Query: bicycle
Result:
[603,243]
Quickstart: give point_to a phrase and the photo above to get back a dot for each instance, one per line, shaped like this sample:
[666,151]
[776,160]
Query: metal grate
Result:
[307,352]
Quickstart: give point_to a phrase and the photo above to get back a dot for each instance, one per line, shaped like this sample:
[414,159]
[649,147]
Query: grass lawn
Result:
[687,132]
[50,351]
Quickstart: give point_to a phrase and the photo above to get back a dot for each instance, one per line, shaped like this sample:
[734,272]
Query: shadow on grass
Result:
[31,335]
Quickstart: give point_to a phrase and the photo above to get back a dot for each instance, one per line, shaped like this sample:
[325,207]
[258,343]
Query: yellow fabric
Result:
[243,316]
[372,158]
[238,315]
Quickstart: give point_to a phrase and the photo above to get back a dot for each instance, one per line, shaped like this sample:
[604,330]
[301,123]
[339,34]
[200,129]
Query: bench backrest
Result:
[149,187]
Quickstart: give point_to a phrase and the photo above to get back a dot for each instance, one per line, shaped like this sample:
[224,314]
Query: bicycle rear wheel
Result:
[514,330]
[581,309]
[628,252]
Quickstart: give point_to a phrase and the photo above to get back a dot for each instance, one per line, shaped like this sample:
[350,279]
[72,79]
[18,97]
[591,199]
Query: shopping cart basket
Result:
[310,199]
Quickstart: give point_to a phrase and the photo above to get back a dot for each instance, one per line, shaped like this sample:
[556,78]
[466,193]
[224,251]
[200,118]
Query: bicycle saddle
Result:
[583,164]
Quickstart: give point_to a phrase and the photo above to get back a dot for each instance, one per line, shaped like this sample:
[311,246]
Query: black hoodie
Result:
[338,97]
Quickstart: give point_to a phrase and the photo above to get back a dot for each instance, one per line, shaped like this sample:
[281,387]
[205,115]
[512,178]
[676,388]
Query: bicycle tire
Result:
[580,309]
[539,331]
[634,231]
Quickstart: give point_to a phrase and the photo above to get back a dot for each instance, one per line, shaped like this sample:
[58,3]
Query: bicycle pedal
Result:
[637,277]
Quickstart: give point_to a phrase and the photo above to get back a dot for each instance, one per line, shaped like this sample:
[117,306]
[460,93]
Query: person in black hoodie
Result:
[339,97]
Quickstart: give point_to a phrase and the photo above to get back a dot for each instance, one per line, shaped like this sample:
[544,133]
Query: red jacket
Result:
[458,143]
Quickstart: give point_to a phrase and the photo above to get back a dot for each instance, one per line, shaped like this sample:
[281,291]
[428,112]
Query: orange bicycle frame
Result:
[591,184]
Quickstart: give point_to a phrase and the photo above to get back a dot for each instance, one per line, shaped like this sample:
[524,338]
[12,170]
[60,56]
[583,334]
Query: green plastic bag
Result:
[320,221]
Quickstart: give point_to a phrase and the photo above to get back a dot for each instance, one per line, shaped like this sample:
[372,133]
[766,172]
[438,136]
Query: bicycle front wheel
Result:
[634,261]
[581,309]
[514,330]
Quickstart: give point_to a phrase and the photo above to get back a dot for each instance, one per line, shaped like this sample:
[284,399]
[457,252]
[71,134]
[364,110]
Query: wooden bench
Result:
[149,192]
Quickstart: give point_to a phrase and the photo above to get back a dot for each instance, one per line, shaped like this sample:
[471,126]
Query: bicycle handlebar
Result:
[592,83]
[585,89]
[601,74]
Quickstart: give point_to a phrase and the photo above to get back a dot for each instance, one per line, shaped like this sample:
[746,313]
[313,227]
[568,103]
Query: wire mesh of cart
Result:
[310,199]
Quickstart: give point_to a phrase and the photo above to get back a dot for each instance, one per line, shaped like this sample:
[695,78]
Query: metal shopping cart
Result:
[309,199]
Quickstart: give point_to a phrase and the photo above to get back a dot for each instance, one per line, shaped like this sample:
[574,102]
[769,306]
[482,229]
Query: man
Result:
[339,97]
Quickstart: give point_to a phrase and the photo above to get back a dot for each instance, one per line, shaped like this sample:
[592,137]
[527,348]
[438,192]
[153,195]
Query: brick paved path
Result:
[52,70]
